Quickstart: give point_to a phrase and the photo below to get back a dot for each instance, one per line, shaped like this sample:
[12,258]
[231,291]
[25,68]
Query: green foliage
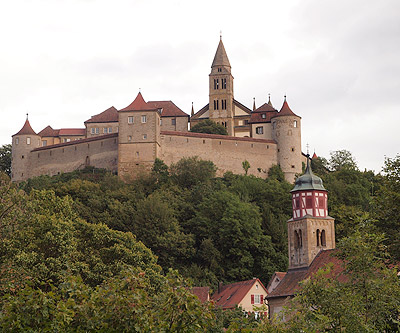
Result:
[190,171]
[210,127]
[342,159]
[365,299]
[5,159]
[246,166]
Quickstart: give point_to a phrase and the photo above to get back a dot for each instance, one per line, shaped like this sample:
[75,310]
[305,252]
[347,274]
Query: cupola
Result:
[309,196]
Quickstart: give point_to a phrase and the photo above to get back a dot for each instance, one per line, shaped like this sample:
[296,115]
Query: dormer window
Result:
[263,116]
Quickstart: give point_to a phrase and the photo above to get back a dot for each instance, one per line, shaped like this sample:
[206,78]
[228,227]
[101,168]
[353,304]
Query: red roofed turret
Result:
[285,110]
[26,129]
[138,104]
[314,156]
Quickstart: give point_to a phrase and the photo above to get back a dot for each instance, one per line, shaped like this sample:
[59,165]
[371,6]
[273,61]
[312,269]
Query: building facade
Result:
[127,141]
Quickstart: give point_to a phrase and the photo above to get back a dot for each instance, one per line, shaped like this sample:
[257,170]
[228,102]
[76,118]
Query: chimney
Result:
[219,287]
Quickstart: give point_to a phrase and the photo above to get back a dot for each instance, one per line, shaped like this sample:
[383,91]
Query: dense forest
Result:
[81,247]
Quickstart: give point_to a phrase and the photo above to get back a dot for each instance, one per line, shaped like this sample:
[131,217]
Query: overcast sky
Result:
[338,62]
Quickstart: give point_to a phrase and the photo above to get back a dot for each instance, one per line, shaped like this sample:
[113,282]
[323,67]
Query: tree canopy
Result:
[210,127]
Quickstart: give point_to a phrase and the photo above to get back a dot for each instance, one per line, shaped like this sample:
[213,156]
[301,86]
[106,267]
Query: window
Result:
[256,299]
[318,236]
[129,138]
[28,140]
[66,140]
[97,130]
[263,116]
[144,119]
[173,121]
[274,125]
[219,69]
[246,122]
[16,141]
[216,84]
[223,104]
[216,105]
[292,149]
[110,130]
[323,238]
[130,119]
[321,202]
[259,130]
[295,123]
[44,143]
[308,202]
[92,130]
[223,83]
[105,130]
[144,136]
[160,122]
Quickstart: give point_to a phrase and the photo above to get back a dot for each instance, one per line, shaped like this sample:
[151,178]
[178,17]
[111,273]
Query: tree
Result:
[246,166]
[210,127]
[364,297]
[190,171]
[342,159]
[5,159]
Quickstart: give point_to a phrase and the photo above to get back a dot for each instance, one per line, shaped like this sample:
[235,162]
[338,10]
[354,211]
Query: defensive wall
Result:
[100,152]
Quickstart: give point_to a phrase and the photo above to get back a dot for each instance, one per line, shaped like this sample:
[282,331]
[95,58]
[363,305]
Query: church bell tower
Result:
[221,90]
[311,229]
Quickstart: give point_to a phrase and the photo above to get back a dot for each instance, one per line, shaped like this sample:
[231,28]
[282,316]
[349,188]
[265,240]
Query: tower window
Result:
[318,237]
[219,69]
[259,130]
[130,120]
[144,119]
[308,202]
[144,136]
[216,84]
[173,121]
[223,83]
[28,141]
[223,104]
[295,123]
[216,104]
[323,238]
[292,149]
[16,141]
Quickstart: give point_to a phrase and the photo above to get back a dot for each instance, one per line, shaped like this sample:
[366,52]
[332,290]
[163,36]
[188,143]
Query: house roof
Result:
[257,117]
[48,131]
[169,109]
[216,136]
[108,116]
[138,104]
[221,58]
[72,132]
[276,275]
[203,293]
[290,283]
[26,129]
[285,110]
[232,294]
[266,107]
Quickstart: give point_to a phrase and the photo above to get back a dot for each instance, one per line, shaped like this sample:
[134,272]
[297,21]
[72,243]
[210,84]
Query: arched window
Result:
[323,238]
[318,237]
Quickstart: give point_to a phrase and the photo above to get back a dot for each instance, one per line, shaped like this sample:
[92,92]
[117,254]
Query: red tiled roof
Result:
[265,108]
[26,129]
[257,117]
[48,131]
[137,104]
[290,283]
[285,110]
[232,294]
[108,116]
[169,109]
[314,156]
[215,136]
[203,293]
[71,143]
[72,132]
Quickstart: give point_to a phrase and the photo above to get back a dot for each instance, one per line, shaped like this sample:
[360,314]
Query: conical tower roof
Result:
[138,104]
[221,58]
[26,129]
[285,110]
[308,181]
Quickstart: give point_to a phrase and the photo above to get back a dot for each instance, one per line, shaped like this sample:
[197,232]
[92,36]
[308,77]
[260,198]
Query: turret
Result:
[286,131]
[311,229]
[138,137]
[221,90]
[22,143]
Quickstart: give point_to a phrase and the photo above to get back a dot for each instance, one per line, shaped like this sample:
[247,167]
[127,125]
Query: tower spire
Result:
[254,103]
[192,113]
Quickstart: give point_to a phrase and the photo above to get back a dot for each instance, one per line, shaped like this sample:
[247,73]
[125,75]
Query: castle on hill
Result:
[128,141]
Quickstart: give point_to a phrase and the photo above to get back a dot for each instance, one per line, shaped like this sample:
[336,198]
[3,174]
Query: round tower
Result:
[286,131]
[22,144]
[311,229]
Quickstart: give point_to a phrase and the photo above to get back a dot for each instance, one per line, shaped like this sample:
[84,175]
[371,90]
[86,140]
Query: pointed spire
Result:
[26,129]
[269,101]
[285,110]
[254,103]
[138,104]
[221,58]
[192,113]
